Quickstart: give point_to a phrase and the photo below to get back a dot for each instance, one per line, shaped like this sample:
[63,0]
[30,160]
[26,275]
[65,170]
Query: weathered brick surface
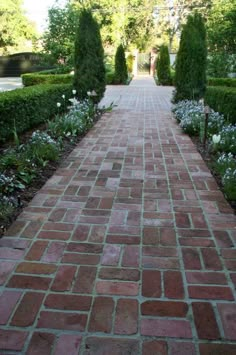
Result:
[101,315]
[27,310]
[41,343]
[153,347]
[129,248]
[205,321]
[126,319]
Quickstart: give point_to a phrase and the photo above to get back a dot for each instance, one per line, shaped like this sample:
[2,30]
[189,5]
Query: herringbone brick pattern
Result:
[128,249]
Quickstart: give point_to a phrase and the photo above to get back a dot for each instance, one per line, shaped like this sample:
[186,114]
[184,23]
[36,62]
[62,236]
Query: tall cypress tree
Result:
[163,66]
[89,58]
[190,77]
[121,72]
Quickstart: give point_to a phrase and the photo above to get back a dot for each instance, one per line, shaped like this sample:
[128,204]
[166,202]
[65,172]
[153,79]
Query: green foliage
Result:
[163,66]
[77,121]
[89,58]
[26,108]
[223,100]
[171,19]
[36,79]
[221,26]
[231,82]
[218,64]
[190,78]
[58,40]
[41,148]
[130,62]
[15,28]
[6,209]
[121,73]
[227,141]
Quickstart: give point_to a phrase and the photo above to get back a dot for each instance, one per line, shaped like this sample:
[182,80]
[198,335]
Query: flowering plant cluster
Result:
[77,120]
[22,163]
[221,137]
[191,117]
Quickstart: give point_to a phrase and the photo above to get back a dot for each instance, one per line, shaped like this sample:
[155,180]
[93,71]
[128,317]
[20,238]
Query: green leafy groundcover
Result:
[222,99]
[37,78]
[22,109]
[231,82]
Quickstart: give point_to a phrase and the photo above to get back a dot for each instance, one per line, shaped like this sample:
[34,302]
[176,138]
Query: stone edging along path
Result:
[129,248]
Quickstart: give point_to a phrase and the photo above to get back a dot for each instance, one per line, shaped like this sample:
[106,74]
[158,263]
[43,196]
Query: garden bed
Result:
[18,183]
[210,160]
[219,150]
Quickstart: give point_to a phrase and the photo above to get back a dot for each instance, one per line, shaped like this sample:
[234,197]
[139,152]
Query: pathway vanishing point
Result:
[128,249]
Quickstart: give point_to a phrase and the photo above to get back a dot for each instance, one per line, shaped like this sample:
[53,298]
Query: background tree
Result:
[163,66]
[129,22]
[89,58]
[171,15]
[59,38]
[15,28]
[190,78]
[221,26]
[121,73]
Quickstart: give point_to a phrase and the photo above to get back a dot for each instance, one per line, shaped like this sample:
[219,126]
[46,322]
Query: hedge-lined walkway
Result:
[128,249]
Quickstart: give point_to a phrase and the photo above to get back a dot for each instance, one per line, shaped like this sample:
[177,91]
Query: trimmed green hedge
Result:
[231,82]
[26,108]
[222,99]
[36,79]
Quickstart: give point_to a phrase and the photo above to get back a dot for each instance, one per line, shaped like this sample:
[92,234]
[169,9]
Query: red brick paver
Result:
[128,249]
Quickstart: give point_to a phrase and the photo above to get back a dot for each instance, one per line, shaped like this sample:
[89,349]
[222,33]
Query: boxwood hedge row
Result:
[231,82]
[27,107]
[222,99]
[37,78]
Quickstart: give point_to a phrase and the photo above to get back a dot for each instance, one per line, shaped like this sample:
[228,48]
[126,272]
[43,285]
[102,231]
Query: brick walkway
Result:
[128,249]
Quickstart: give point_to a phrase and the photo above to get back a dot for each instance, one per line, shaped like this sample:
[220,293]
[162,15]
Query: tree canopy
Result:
[15,28]
[221,26]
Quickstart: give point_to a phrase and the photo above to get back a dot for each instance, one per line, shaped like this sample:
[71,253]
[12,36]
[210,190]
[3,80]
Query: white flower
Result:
[93,93]
[73,92]
[63,96]
[216,138]
[89,93]
[58,104]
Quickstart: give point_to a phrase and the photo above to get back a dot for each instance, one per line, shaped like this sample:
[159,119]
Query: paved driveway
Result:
[10,84]
[128,249]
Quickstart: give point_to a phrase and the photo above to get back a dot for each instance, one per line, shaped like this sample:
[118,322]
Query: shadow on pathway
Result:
[128,249]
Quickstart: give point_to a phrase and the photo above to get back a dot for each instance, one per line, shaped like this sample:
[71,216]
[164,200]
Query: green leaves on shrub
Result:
[89,58]
[190,77]
[230,82]
[121,73]
[28,107]
[37,78]
[163,66]
[223,100]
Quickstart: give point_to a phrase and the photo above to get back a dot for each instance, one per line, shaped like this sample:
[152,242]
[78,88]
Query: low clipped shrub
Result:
[30,79]
[22,109]
[222,99]
[231,82]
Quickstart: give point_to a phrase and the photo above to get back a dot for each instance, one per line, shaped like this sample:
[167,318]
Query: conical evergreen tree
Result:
[190,77]
[89,58]
[121,72]
[163,66]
